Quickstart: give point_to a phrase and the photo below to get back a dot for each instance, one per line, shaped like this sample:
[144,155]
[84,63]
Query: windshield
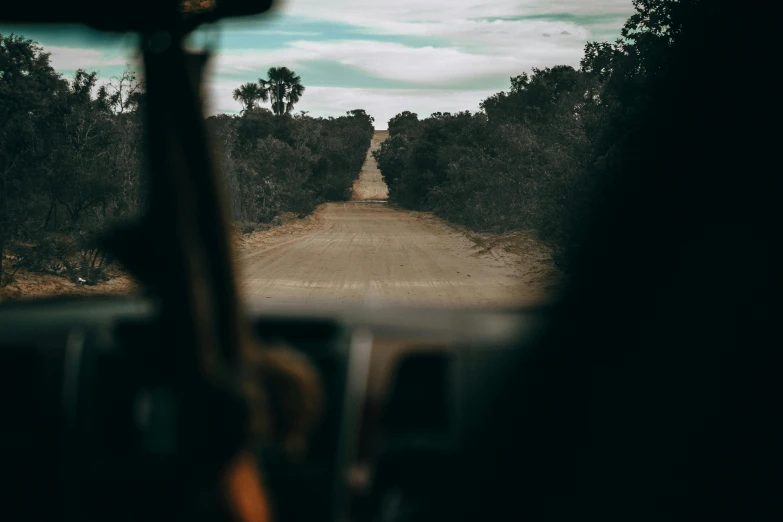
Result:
[424,153]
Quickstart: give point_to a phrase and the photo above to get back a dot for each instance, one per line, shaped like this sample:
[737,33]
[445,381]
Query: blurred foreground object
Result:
[138,15]
[190,461]
[286,390]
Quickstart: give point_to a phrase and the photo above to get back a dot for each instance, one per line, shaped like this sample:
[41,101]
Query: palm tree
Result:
[283,87]
[248,94]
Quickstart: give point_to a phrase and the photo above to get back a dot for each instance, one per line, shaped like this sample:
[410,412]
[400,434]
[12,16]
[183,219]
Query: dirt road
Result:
[370,185]
[364,251]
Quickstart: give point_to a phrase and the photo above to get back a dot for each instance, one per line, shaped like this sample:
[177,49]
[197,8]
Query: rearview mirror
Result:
[135,15]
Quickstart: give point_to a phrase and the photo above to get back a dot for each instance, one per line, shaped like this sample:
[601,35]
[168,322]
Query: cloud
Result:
[388,60]
[423,65]
[457,53]
[381,104]
[438,55]
[366,12]
[514,51]
[71,58]
[511,37]
[278,32]
[257,61]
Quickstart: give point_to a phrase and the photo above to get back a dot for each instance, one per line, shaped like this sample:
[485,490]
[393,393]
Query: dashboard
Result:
[403,386]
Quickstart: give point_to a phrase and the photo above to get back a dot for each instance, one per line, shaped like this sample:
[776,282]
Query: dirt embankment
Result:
[31,285]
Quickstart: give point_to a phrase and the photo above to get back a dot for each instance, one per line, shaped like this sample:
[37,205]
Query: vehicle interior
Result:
[647,391]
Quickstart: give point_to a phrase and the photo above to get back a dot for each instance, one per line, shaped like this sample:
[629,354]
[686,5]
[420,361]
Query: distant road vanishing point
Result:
[370,185]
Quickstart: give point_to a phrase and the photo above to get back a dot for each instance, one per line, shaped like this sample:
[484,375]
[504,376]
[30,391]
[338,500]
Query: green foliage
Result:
[405,122]
[71,160]
[282,163]
[249,94]
[538,156]
[512,166]
[282,87]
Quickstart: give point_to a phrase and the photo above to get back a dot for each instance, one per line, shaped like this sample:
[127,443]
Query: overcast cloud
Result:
[385,57]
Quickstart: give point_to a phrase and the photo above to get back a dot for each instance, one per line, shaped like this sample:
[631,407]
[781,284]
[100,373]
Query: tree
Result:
[30,90]
[544,152]
[69,160]
[248,94]
[276,164]
[123,94]
[403,122]
[360,113]
[283,87]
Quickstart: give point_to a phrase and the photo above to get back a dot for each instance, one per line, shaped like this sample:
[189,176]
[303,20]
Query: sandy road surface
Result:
[359,252]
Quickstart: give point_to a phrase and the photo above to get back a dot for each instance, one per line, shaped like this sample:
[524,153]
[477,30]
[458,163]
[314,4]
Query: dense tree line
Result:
[69,161]
[71,152]
[283,163]
[537,157]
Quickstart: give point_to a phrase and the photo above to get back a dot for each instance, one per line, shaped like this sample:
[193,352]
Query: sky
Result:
[385,57]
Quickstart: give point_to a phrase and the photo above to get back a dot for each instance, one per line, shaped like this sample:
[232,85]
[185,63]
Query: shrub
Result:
[273,164]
